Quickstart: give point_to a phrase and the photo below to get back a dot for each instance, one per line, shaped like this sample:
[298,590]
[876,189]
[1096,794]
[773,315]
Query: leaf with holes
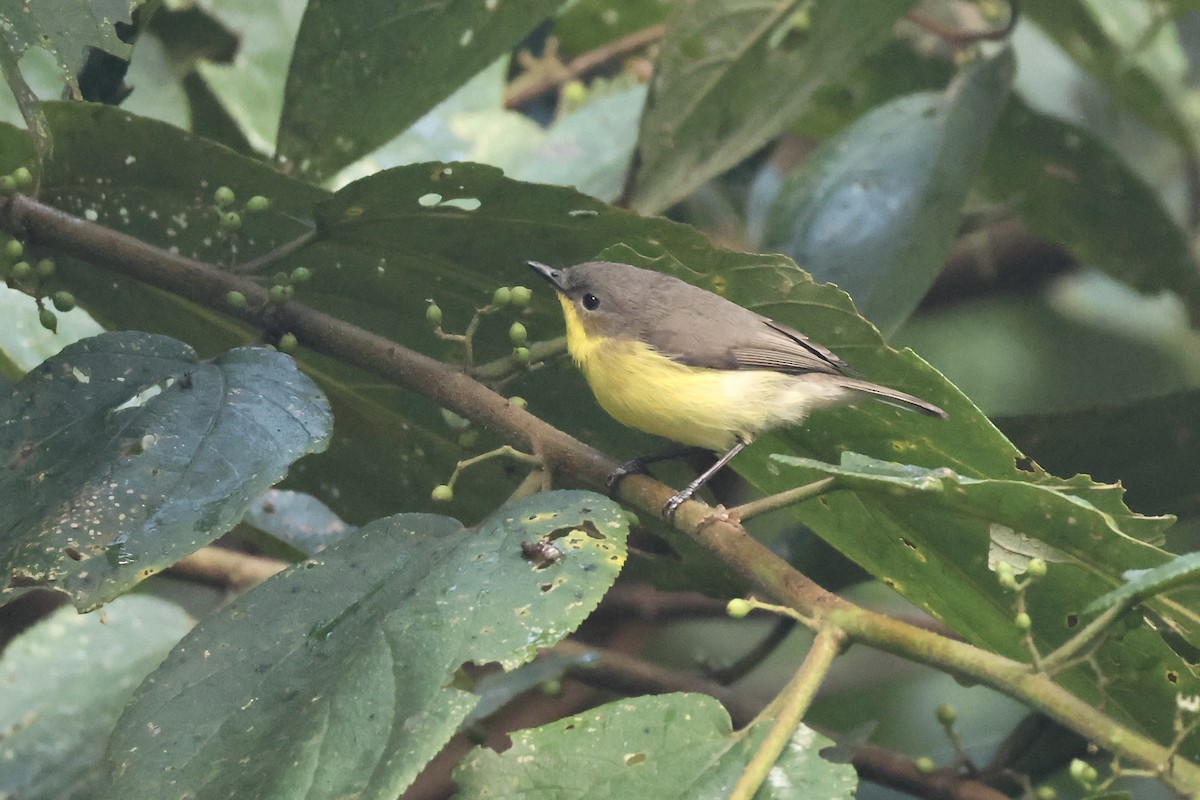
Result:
[125,452]
[341,676]
[668,746]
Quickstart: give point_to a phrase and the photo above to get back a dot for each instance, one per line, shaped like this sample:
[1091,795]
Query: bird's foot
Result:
[677,499]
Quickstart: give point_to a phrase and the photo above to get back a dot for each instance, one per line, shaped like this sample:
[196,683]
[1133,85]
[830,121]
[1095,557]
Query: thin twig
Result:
[585,64]
[788,709]
[783,499]
[281,252]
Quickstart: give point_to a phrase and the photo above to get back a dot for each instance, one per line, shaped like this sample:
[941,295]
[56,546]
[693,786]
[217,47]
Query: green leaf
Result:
[69,29]
[125,453]
[665,746]
[351,85]
[63,684]
[876,209]
[339,677]
[732,75]
[1146,445]
[935,536]
[1144,583]
[1071,189]
[1134,50]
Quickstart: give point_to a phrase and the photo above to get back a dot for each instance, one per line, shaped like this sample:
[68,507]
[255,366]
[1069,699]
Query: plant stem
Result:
[783,499]
[789,708]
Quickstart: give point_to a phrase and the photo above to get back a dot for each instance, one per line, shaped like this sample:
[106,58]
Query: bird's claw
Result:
[672,505]
[634,466]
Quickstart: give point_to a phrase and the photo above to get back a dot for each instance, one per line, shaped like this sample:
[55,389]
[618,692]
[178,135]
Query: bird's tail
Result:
[892,397]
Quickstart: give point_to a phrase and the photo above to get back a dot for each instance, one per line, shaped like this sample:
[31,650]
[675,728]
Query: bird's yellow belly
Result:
[709,408]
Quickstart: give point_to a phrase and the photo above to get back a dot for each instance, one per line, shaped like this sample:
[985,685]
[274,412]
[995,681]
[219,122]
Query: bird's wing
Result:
[721,335]
[782,349]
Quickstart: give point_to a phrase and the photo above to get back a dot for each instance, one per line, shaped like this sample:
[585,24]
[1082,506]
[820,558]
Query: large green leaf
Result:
[340,677]
[1071,189]
[125,452]
[936,537]
[876,209]
[668,746]
[732,75]
[363,71]
[63,684]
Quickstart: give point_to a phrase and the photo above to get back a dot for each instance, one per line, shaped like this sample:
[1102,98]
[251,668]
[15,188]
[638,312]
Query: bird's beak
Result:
[554,277]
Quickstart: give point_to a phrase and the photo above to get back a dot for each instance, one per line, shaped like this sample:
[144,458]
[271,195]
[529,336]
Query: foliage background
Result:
[1020,213]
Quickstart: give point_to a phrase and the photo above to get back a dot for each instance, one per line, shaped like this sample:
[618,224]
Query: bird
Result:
[678,361]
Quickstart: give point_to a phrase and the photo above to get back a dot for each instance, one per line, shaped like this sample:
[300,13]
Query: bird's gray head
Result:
[609,299]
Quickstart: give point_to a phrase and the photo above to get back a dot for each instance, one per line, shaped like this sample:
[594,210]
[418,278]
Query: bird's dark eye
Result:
[591,302]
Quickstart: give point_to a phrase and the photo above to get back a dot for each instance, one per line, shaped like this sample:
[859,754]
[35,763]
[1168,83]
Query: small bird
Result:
[680,362]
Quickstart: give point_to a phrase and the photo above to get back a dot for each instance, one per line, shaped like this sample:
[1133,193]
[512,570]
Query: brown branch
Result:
[453,389]
[584,65]
[219,566]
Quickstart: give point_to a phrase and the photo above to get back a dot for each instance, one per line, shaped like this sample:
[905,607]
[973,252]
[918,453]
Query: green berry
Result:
[277,294]
[1006,576]
[63,301]
[23,178]
[521,355]
[738,607]
[288,343]
[46,267]
[1023,621]
[8,185]
[257,204]
[924,765]
[48,319]
[517,334]
[288,291]
[502,296]
[551,688]
[301,275]
[224,196]
[946,714]
[235,300]
[517,402]
[521,295]
[434,314]
[13,249]
[442,493]
[1036,567]
[1045,793]
[21,270]
[282,278]
[230,221]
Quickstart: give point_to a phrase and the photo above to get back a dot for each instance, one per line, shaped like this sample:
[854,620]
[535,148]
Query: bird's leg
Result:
[686,494]
[638,465]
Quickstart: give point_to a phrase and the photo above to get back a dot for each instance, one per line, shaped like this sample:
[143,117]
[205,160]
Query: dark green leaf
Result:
[1071,189]
[63,684]
[69,29]
[352,84]
[1150,446]
[125,453]
[665,746]
[876,209]
[732,75]
[337,677]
